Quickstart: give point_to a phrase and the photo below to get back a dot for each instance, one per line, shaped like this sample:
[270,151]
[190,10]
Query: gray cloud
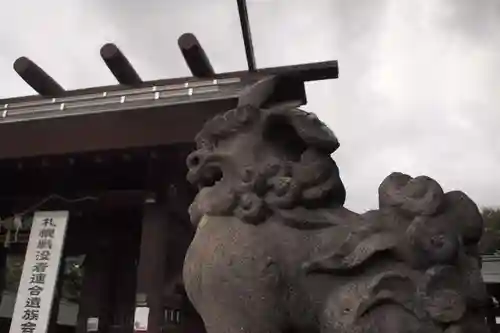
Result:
[419,80]
[478,19]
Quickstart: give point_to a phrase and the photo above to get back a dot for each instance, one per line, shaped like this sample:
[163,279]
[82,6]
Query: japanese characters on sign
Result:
[40,270]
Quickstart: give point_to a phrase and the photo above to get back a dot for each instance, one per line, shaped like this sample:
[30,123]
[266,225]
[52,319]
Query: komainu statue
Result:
[276,251]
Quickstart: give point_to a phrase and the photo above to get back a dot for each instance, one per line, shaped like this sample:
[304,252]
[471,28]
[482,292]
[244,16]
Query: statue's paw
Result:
[442,294]
[432,241]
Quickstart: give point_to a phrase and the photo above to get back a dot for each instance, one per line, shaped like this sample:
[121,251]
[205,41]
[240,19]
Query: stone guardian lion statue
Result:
[276,251]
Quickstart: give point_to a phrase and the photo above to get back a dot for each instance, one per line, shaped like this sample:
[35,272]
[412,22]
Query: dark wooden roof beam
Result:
[315,71]
[37,78]
[195,57]
[119,65]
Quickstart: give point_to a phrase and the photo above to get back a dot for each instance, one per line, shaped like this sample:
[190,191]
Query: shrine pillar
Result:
[93,315]
[151,269]
[166,234]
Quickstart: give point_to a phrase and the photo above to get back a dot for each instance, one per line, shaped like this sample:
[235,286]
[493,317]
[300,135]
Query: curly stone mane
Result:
[298,175]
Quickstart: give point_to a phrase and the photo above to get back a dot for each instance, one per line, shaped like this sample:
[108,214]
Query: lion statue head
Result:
[252,163]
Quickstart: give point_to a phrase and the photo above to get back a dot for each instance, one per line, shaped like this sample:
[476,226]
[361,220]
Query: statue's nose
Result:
[194,160]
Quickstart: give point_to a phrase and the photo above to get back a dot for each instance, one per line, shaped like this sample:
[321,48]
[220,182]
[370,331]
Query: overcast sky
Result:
[419,86]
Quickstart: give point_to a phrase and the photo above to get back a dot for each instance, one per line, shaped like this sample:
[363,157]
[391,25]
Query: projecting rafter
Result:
[37,78]
[195,56]
[119,65]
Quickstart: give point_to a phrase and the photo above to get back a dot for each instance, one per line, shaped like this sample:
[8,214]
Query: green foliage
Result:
[72,278]
[490,243]
[13,272]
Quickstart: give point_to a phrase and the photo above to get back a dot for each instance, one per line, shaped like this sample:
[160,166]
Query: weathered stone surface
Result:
[276,251]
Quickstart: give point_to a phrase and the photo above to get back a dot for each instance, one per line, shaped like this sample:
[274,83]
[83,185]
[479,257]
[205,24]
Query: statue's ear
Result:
[285,119]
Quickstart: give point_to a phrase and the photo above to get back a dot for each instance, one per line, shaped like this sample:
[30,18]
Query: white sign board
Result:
[141,319]
[92,324]
[40,271]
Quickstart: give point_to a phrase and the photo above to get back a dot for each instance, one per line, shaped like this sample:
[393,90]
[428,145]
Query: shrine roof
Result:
[174,90]
[136,113]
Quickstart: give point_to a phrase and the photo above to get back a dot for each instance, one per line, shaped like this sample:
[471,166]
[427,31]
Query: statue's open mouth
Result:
[206,176]
[210,177]
[211,198]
